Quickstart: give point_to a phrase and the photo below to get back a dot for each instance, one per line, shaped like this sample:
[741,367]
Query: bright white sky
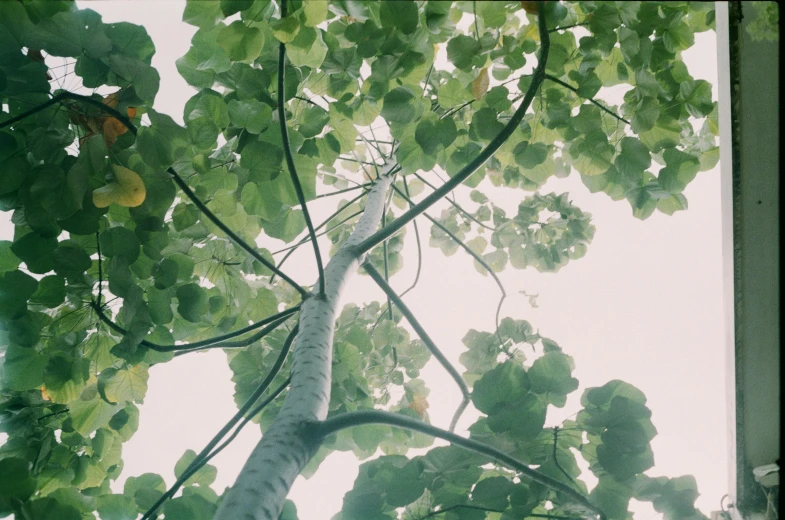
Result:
[644,305]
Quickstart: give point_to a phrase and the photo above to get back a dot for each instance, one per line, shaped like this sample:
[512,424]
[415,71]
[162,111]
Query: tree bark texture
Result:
[288,444]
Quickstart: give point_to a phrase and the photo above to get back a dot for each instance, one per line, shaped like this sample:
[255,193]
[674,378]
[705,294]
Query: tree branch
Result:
[359,418]
[287,149]
[426,339]
[484,155]
[202,458]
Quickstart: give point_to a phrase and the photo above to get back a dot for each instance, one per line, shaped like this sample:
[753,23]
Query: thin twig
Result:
[590,100]
[214,342]
[201,457]
[417,240]
[456,205]
[474,255]
[426,339]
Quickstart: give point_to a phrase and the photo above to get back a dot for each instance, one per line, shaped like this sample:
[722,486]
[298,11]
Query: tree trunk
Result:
[287,445]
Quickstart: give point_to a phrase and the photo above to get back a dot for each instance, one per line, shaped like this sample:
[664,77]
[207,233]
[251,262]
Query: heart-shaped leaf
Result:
[127,189]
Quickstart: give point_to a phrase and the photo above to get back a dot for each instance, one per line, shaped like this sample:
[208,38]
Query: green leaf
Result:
[530,155]
[15,289]
[285,30]
[307,49]
[65,378]
[120,242]
[125,384]
[116,507]
[485,124]
[594,154]
[315,12]
[634,157]
[402,15]
[90,412]
[696,95]
[145,489]
[645,115]
[681,168]
[461,50]
[193,302]
[287,226]
[16,482]
[240,43]
[204,476]
[453,93]
[502,385]
[551,374]
[8,260]
[202,14]
[251,114]
[203,60]
[23,368]
[50,292]
[135,72]
[434,134]
[401,105]
[35,251]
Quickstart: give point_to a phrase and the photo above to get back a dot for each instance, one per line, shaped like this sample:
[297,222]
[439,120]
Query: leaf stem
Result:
[287,149]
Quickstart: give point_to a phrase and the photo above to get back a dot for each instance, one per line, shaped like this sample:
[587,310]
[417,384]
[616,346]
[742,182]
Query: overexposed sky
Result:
[644,305]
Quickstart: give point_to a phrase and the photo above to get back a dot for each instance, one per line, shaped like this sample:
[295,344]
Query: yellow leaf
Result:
[127,190]
[419,404]
[481,84]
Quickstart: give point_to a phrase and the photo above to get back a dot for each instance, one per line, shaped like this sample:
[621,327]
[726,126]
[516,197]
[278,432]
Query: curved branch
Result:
[287,150]
[202,457]
[216,342]
[426,339]
[359,418]
[486,153]
[43,106]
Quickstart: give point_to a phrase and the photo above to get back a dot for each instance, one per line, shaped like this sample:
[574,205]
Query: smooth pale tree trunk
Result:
[288,444]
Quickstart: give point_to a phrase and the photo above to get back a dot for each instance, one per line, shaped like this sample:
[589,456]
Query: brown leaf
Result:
[529,7]
[480,84]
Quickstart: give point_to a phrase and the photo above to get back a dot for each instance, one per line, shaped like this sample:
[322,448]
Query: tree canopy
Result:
[137,240]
